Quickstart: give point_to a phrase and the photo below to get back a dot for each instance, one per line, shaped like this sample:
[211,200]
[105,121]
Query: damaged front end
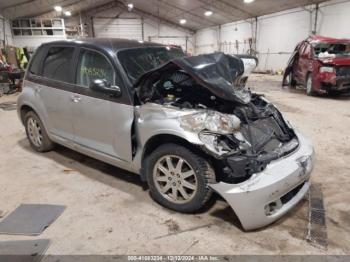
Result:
[243,142]
[253,149]
[242,131]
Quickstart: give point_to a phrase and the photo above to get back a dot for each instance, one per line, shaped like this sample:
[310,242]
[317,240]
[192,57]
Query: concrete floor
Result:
[110,212]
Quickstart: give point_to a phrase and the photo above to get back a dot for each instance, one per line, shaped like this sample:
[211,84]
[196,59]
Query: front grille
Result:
[287,197]
[343,71]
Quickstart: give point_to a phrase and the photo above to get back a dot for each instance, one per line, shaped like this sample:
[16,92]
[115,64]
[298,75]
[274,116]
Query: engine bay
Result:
[241,130]
[179,89]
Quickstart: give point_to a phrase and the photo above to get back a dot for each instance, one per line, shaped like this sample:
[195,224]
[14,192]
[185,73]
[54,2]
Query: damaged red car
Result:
[321,65]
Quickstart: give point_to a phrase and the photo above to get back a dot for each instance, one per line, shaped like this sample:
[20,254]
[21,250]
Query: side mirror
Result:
[102,86]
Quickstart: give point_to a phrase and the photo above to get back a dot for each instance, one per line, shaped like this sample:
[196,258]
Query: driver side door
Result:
[303,63]
[102,123]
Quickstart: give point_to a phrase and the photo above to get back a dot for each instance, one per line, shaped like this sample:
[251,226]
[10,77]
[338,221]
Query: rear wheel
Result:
[36,133]
[309,86]
[178,178]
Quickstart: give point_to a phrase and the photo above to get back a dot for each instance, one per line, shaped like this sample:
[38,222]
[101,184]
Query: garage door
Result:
[180,41]
[118,28]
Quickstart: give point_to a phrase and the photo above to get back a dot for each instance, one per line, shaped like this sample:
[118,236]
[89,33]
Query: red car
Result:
[321,65]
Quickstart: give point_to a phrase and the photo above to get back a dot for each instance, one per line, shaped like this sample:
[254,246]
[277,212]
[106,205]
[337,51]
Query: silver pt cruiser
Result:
[186,125]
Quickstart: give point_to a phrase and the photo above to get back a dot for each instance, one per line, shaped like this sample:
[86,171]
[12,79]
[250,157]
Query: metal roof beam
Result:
[152,16]
[91,11]
[74,8]
[193,17]
[228,9]
[30,8]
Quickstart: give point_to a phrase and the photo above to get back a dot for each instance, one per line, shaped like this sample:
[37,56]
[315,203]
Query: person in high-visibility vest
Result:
[21,58]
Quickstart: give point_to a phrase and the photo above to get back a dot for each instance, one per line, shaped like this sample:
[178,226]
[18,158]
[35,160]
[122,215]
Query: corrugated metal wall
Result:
[118,28]
[8,34]
[1,29]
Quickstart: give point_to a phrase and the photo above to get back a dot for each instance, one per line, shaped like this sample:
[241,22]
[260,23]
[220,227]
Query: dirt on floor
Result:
[109,211]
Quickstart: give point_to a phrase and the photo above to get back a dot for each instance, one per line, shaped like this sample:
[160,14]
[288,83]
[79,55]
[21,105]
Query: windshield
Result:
[332,50]
[138,61]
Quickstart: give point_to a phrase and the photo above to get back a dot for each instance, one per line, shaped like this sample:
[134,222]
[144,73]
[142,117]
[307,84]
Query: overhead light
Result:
[58,8]
[208,13]
[67,13]
[183,21]
[248,1]
[130,6]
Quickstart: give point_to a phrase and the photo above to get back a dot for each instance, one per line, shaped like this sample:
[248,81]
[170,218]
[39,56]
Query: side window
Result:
[57,64]
[92,66]
[36,61]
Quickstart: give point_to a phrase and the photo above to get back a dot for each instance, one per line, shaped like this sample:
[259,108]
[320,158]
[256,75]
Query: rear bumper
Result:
[269,194]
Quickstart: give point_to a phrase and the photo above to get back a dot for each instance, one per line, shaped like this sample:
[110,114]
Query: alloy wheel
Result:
[175,179]
[34,131]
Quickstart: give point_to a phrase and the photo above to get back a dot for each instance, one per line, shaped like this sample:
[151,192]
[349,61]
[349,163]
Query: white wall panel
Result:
[334,19]
[164,34]
[118,28]
[206,40]
[278,34]
[34,41]
[129,25]
[234,37]
[8,35]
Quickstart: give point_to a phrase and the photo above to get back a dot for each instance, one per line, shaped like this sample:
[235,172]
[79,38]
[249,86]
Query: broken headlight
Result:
[218,144]
[211,127]
[327,69]
[210,121]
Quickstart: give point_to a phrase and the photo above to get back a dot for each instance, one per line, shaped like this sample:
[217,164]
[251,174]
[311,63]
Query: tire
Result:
[178,178]
[309,85]
[291,81]
[36,133]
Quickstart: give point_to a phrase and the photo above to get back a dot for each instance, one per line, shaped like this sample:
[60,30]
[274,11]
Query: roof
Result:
[166,11]
[113,44]
[324,39]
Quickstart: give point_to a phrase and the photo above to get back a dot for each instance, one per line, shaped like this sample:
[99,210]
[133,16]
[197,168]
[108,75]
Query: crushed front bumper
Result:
[336,83]
[268,195]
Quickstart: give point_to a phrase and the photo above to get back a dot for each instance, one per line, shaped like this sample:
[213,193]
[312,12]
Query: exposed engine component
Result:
[178,88]
[243,131]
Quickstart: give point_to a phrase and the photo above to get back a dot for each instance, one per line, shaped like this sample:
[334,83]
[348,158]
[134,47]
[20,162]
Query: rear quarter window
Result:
[35,65]
[58,63]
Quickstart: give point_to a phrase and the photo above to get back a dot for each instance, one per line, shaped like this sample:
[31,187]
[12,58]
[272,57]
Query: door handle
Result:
[76,98]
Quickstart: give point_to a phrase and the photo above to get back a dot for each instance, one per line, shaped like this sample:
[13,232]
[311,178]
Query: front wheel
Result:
[178,178]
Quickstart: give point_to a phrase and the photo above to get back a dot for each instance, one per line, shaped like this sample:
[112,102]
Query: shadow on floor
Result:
[123,180]
[131,183]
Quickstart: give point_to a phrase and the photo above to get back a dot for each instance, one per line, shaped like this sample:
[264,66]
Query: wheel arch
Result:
[308,73]
[157,140]
[24,110]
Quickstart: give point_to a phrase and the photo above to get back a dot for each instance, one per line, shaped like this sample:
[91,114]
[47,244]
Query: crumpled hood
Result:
[216,72]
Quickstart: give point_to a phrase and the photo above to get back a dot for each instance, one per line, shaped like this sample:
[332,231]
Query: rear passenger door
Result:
[102,123]
[55,90]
